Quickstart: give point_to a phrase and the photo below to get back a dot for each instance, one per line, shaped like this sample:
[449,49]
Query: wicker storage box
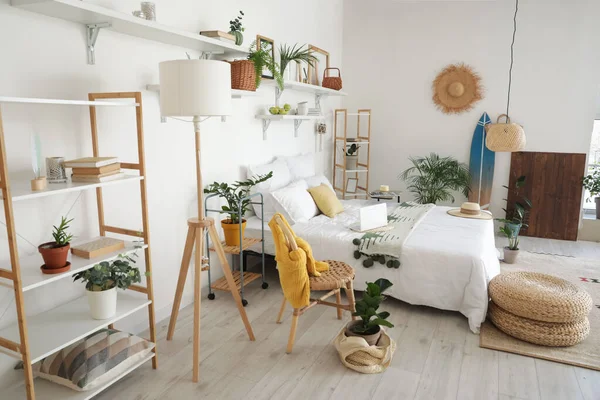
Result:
[243,75]
[332,82]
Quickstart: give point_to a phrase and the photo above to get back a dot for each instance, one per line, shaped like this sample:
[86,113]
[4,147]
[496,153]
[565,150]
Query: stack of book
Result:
[95,169]
[314,112]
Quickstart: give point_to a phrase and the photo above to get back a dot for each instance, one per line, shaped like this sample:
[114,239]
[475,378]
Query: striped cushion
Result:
[94,361]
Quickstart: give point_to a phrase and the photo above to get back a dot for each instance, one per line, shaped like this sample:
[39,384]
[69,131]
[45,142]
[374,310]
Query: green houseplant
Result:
[352,157]
[369,325]
[514,220]
[235,195]
[236,29]
[55,253]
[591,183]
[295,53]
[103,279]
[263,58]
[433,178]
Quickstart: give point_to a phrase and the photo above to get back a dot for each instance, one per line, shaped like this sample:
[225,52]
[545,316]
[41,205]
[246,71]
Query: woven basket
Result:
[544,333]
[332,82]
[357,355]
[243,75]
[540,297]
[505,137]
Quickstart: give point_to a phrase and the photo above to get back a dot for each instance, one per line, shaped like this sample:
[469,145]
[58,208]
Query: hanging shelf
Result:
[298,119]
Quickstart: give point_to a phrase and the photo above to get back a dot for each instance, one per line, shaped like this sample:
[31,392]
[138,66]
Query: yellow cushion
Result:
[326,200]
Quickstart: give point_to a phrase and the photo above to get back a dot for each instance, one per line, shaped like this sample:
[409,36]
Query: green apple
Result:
[287,107]
[274,110]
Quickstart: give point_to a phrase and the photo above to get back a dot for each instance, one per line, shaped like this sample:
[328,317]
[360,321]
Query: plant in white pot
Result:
[352,157]
[591,183]
[369,325]
[514,221]
[102,281]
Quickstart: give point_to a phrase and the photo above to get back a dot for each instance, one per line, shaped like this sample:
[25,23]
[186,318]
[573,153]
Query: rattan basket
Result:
[243,75]
[505,137]
[332,82]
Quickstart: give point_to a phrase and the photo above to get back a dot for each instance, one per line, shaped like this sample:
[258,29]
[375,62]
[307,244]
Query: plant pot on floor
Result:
[351,162]
[54,256]
[510,256]
[103,304]
[597,199]
[232,231]
[371,339]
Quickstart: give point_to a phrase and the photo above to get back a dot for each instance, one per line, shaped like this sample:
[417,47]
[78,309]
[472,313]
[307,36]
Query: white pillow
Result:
[317,180]
[281,177]
[295,203]
[300,166]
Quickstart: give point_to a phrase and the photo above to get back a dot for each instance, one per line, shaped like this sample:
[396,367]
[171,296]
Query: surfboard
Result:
[481,165]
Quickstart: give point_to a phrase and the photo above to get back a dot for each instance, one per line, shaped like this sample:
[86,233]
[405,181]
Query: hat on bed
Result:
[470,210]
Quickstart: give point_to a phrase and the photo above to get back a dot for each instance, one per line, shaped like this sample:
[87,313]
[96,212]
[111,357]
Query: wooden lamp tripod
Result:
[198,88]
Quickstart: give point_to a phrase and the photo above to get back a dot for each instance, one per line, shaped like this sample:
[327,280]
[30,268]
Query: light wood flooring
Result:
[437,356]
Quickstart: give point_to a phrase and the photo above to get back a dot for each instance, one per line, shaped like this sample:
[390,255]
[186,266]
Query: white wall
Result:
[45,57]
[394,49]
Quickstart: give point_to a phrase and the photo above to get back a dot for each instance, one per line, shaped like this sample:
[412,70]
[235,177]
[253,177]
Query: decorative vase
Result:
[371,339]
[55,169]
[351,163]
[54,256]
[303,108]
[239,37]
[510,256]
[232,232]
[597,200]
[103,305]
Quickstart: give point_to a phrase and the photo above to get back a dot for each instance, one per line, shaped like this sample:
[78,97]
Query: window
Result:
[594,161]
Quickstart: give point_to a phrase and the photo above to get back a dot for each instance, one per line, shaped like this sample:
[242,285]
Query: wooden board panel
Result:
[555,189]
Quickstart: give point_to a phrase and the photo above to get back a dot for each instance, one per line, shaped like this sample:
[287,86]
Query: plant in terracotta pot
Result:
[55,253]
[236,29]
[369,325]
[514,221]
[591,183]
[236,196]
[103,279]
[352,157]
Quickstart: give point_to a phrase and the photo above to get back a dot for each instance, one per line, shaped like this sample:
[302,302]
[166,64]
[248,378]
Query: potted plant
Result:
[288,54]
[514,221]
[55,253]
[236,29]
[352,157]
[263,58]
[591,183]
[369,325]
[433,178]
[236,197]
[103,279]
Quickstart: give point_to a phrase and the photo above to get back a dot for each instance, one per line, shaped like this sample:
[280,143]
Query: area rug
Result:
[582,272]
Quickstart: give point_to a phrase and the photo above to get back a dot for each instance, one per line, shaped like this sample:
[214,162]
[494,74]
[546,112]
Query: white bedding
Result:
[446,262]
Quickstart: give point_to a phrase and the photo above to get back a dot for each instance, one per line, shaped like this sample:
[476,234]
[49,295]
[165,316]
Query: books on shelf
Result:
[100,170]
[95,169]
[219,35]
[91,162]
[97,179]
[97,247]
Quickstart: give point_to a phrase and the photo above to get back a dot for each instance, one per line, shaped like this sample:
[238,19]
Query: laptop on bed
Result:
[371,217]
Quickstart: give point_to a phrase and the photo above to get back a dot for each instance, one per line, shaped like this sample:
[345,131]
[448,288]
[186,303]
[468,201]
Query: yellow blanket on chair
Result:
[296,266]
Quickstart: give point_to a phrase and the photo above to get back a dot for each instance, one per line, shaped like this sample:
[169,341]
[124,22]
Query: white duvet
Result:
[446,262]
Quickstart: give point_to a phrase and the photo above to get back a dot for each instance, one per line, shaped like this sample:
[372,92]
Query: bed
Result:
[446,261]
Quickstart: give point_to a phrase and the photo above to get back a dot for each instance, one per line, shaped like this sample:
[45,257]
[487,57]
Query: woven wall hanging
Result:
[456,89]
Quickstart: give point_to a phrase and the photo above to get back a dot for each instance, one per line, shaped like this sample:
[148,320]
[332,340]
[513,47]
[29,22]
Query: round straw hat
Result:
[456,89]
[470,210]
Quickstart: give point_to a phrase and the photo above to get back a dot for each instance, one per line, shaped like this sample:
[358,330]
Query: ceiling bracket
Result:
[297,123]
[277,95]
[92,35]
[318,101]
[265,125]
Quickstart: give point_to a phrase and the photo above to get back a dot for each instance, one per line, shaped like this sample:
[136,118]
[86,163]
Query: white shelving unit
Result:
[34,337]
[298,119]
[95,18]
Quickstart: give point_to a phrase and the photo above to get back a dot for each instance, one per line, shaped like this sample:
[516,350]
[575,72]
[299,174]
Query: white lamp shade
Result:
[190,88]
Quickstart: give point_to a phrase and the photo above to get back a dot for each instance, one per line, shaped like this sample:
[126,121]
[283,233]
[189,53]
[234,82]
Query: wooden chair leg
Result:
[290,344]
[338,300]
[281,310]
[349,289]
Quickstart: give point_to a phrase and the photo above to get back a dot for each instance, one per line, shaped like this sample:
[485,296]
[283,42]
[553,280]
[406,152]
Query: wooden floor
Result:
[437,356]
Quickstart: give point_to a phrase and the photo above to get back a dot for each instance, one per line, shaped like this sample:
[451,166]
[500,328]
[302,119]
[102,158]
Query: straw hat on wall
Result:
[456,89]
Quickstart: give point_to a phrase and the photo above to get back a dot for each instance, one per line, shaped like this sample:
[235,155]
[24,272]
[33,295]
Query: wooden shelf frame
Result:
[19,345]
[341,143]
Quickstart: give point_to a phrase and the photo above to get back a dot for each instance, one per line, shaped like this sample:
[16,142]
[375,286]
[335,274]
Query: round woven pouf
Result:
[540,297]
[537,332]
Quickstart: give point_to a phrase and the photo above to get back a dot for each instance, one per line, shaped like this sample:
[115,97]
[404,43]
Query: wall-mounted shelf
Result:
[318,91]
[298,119]
[95,18]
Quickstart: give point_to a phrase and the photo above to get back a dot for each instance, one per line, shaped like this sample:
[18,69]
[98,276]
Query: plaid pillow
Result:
[93,361]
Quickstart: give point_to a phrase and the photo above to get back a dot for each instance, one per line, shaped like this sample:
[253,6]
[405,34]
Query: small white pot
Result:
[351,163]
[303,108]
[103,305]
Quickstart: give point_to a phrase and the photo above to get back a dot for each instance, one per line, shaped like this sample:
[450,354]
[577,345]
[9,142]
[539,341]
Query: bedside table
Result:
[389,195]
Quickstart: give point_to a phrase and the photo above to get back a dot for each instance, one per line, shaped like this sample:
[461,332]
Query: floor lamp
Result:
[198,88]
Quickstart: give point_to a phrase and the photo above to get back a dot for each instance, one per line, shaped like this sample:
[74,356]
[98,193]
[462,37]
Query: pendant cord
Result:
[512,55]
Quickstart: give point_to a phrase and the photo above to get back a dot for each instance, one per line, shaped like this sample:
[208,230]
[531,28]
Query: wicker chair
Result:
[339,276]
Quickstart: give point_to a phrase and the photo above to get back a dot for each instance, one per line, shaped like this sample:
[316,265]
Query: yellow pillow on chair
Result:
[326,200]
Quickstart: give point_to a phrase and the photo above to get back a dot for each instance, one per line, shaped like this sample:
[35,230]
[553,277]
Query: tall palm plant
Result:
[433,178]
[288,54]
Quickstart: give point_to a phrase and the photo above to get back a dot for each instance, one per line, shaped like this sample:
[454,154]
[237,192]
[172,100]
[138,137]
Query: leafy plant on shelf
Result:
[366,309]
[236,194]
[515,217]
[60,234]
[236,29]
[352,149]
[591,183]
[263,58]
[119,273]
[300,54]
[433,178]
